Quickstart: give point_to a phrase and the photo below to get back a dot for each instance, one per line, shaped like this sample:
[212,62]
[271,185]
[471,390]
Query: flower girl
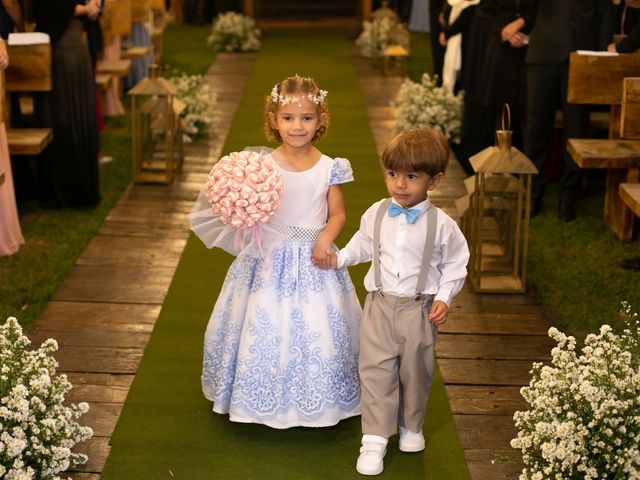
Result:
[281,347]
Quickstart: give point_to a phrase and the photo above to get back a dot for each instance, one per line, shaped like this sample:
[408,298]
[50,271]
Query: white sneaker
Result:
[411,441]
[370,461]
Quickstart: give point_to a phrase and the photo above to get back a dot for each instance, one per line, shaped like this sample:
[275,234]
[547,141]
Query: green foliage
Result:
[575,267]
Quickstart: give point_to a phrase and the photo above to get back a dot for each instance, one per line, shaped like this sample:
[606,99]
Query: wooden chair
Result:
[29,71]
[603,81]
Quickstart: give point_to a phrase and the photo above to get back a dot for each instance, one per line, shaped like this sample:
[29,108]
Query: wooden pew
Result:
[630,194]
[116,68]
[601,80]
[29,70]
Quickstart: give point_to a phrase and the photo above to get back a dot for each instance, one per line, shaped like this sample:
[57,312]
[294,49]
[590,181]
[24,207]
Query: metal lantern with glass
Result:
[496,222]
[157,132]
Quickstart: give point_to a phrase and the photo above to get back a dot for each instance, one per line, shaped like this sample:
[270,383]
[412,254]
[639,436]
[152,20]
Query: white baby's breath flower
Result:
[425,104]
[234,32]
[582,421]
[37,430]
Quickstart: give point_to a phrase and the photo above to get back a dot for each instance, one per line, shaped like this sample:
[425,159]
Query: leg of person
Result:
[576,118]
[379,383]
[417,336]
[543,91]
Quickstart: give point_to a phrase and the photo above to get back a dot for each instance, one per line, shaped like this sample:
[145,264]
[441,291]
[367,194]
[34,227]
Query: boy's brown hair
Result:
[422,149]
[295,86]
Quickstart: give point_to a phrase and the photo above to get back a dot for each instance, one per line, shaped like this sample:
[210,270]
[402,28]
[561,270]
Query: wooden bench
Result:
[603,81]
[28,141]
[29,71]
[134,52]
[103,81]
[117,68]
[630,195]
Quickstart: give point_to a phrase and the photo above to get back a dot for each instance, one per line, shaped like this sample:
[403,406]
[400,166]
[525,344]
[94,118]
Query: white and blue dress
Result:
[281,347]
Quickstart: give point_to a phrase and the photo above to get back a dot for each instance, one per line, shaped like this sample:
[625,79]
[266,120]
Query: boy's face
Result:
[409,188]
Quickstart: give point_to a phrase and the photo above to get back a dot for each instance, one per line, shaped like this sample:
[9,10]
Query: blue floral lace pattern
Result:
[341,171]
[282,343]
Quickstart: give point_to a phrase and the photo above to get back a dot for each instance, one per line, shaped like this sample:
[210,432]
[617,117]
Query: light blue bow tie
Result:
[412,214]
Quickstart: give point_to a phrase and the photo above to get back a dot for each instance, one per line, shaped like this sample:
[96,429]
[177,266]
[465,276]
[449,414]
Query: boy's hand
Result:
[439,312]
[333,259]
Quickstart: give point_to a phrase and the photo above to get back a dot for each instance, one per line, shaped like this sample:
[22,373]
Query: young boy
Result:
[419,258]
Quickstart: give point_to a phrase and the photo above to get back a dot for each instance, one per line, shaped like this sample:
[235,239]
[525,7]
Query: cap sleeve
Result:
[341,171]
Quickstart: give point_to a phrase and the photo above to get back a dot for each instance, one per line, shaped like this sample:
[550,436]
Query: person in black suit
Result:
[560,27]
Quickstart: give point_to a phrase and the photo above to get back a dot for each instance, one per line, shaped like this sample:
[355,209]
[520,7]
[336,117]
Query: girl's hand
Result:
[4,56]
[439,312]
[319,256]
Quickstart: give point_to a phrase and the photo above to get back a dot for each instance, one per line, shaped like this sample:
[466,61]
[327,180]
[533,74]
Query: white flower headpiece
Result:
[285,99]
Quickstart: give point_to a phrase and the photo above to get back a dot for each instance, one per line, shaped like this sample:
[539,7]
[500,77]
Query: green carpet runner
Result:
[167,429]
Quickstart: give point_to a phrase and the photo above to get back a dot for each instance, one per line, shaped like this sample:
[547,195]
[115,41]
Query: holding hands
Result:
[322,254]
[4,56]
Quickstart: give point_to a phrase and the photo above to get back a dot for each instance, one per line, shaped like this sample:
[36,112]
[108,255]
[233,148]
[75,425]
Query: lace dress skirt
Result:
[281,347]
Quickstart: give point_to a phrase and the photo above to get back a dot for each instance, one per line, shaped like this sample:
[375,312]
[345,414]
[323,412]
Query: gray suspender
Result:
[427,253]
[382,210]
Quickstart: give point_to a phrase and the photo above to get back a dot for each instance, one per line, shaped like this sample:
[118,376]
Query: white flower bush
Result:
[379,33]
[425,104]
[234,32]
[37,432]
[200,111]
[584,420]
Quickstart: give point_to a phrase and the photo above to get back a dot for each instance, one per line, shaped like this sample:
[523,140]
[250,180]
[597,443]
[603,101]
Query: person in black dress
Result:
[68,167]
[495,74]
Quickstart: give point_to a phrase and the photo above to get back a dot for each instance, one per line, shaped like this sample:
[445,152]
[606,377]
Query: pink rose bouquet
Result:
[244,188]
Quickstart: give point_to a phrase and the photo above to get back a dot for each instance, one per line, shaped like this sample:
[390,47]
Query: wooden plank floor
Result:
[104,312]
[486,348]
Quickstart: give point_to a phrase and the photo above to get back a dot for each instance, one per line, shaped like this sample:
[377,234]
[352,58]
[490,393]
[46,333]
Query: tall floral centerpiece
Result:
[37,431]
[584,416]
[421,104]
[234,32]
[200,112]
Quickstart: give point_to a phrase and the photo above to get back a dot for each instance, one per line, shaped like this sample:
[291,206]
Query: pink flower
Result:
[244,188]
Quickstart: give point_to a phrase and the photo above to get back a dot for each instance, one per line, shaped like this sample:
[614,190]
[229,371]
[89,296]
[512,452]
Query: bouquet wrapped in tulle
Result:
[244,188]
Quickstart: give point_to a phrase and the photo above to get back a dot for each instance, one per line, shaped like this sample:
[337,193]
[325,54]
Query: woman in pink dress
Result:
[10,233]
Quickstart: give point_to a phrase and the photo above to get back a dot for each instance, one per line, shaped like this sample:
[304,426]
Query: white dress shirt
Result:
[401,248]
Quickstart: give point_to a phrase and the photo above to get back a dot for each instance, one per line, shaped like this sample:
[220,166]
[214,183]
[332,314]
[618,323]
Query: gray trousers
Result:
[397,359]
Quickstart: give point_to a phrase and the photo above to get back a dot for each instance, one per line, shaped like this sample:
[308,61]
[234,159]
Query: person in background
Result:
[68,167]
[629,28]
[560,27]
[10,232]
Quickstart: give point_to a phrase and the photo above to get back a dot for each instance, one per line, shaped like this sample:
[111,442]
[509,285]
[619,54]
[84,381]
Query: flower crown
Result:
[285,99]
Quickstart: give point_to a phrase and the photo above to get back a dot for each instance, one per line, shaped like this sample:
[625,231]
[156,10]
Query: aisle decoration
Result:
[37,432]
[380,33]
[244,189]
[200,112]
[234,32]
[584,421]
[425,104]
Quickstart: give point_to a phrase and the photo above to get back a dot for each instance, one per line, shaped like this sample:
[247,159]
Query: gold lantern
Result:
[496,222]
[157,132]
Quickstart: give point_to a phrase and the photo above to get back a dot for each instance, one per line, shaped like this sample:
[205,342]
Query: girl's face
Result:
[296,122]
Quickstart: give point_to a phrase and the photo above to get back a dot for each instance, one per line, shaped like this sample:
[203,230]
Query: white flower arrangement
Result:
[379,33]
[37,432]
[425,104]
[200,111]
[234,32]
[584,420]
